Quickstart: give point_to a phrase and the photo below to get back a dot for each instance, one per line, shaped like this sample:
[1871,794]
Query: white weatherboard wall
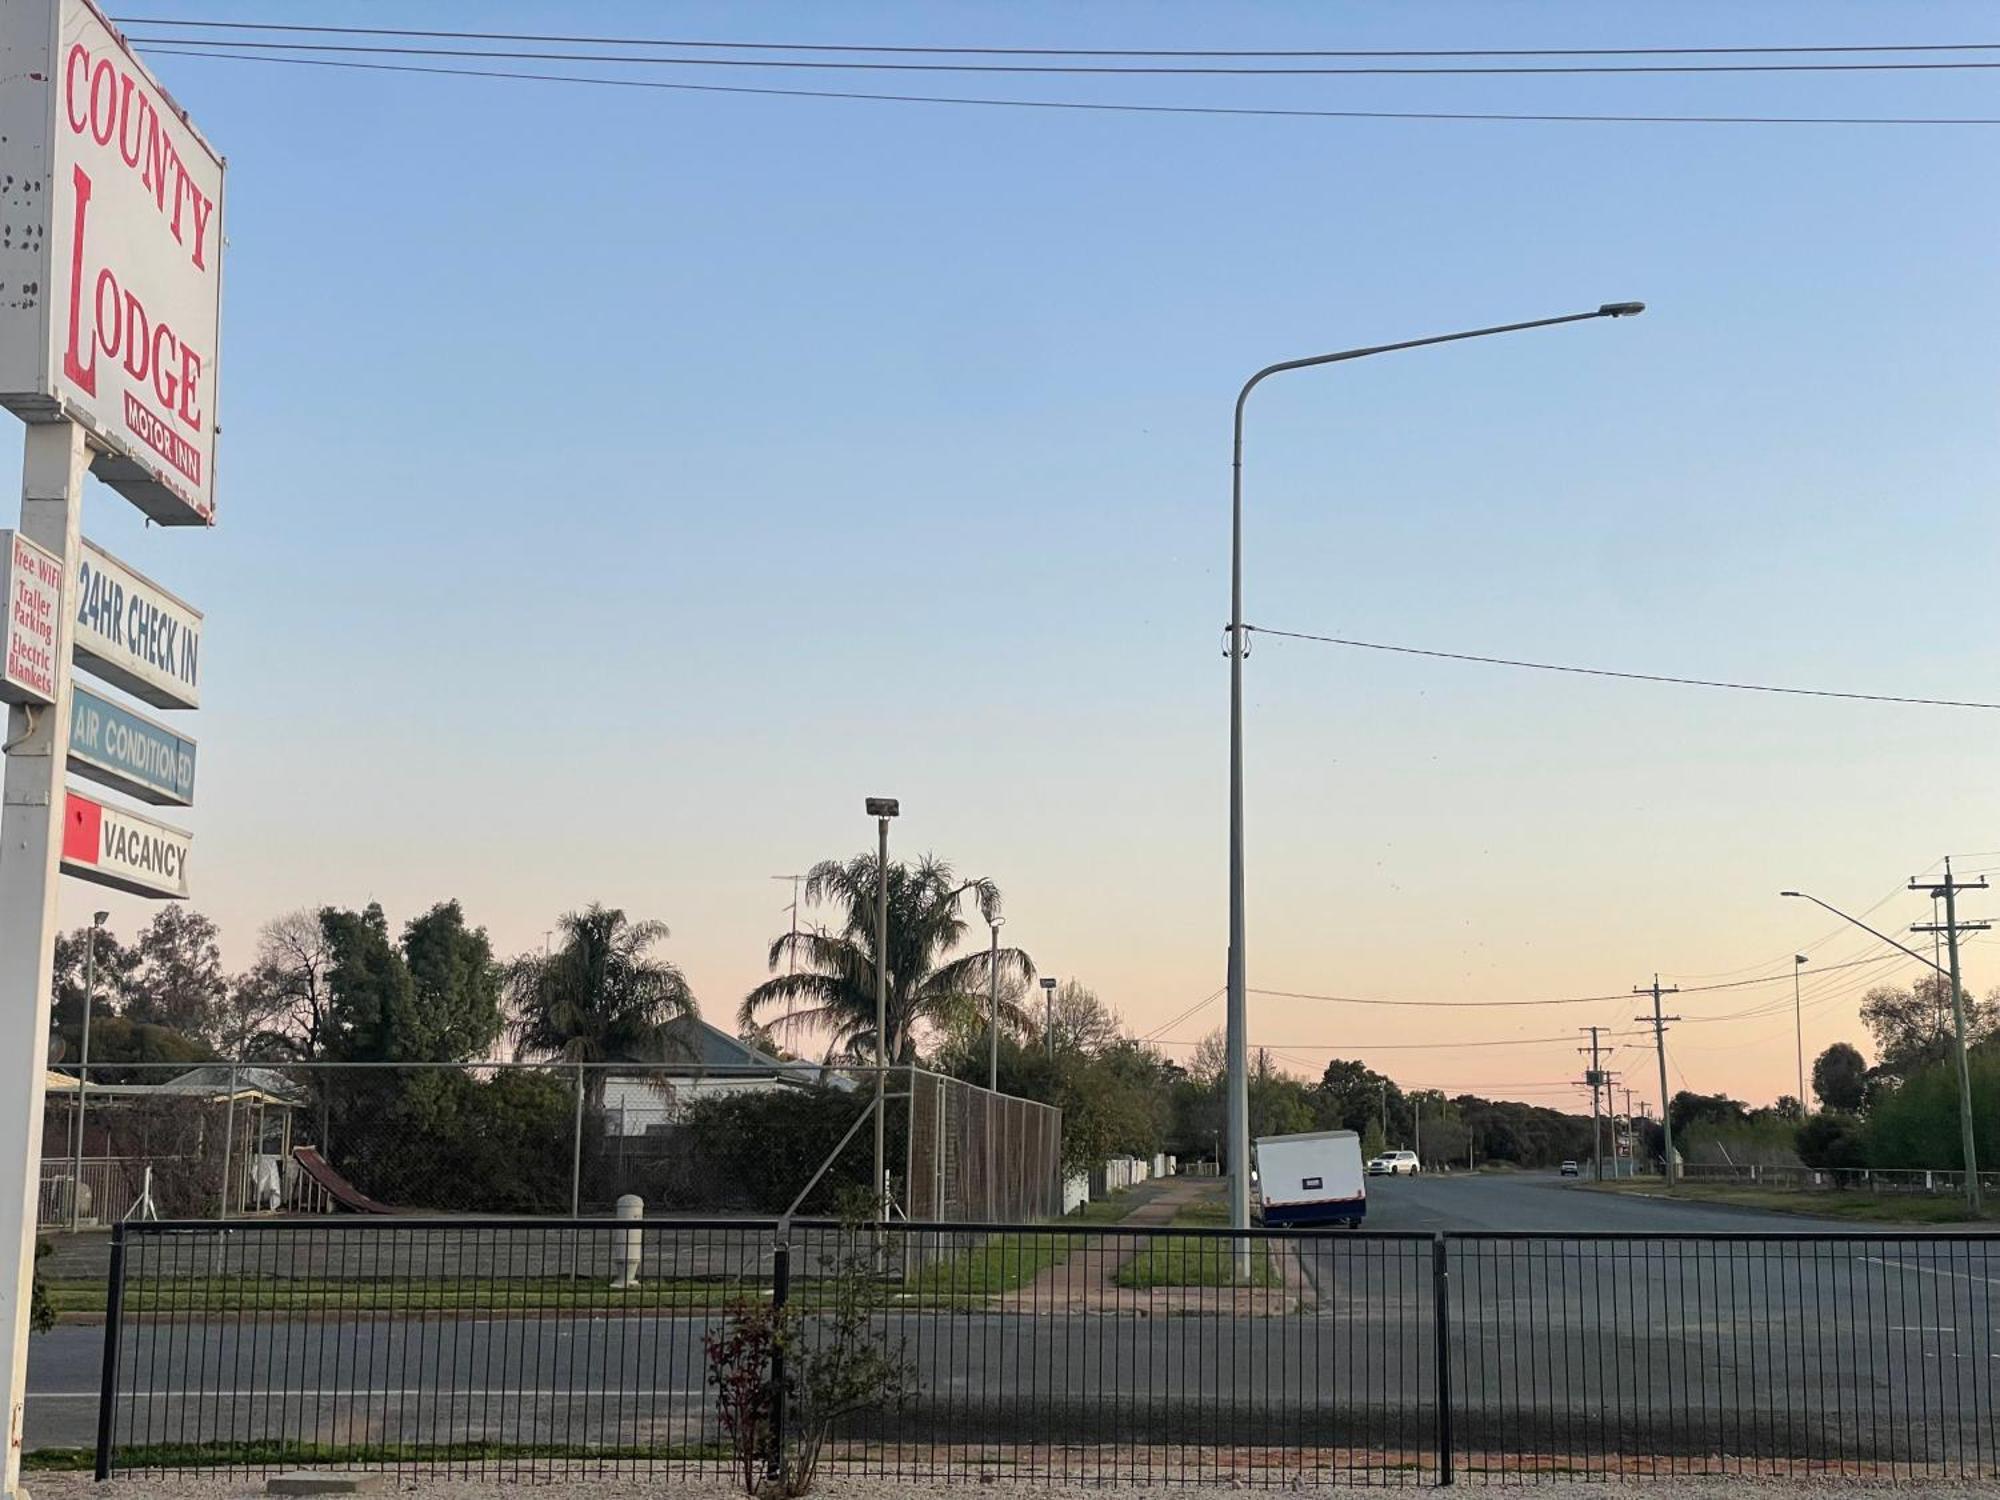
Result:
[111,270]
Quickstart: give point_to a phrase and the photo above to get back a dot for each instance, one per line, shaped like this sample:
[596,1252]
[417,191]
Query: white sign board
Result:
[134,634]
[31,582]
[111,260]
[109,846]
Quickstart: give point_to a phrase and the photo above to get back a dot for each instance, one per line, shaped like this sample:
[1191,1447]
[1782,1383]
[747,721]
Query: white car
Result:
[1395,1164]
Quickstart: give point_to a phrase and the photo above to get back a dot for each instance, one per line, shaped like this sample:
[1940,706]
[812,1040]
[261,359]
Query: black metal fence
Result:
[1088,1354]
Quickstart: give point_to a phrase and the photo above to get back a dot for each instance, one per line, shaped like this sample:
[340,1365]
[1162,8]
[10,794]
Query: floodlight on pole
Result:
[881,809]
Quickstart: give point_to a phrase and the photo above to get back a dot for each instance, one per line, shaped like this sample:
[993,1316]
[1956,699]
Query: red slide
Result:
[338,1188]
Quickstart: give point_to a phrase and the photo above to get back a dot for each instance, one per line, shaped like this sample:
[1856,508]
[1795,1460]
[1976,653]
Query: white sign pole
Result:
[31,811]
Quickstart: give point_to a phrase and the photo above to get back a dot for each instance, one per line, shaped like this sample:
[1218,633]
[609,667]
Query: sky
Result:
[616,486]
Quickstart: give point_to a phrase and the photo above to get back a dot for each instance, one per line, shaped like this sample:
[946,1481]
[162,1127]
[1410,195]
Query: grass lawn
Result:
[1192,1261]
[1873,1208]
[1004,1263]
[204,1295]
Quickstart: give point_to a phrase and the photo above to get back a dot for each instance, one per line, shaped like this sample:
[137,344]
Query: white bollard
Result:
[628,1248]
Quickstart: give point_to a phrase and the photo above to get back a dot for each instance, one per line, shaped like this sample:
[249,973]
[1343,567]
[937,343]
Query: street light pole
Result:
[97,921]
[1049,1016]
[1950,976]
[1238,1114]
[881,809]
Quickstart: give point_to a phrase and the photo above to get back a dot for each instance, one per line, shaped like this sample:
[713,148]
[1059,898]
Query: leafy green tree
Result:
[601,996]
[116,1039]
[432,997]
[1832,1139]
[1913,1029]
[829,979]
[1917,1124]
[1840,1079]
[1373,1143]
[179,982]
[1349,1095]
[116,964]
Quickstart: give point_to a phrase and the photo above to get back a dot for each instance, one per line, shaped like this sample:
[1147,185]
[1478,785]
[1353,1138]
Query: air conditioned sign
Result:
[129,752]
[111,259]
[31,583]
[109,846]
[136,635]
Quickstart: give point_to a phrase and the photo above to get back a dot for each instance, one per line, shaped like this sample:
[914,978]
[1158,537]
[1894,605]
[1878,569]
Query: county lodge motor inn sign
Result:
[110,257]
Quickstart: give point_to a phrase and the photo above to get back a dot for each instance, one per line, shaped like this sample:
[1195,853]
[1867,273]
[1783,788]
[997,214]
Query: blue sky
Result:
[616,486]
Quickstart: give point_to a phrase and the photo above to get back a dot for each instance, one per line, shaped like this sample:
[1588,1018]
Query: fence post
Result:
[114,1317]
[576,1153]
[228,1145]
[1441,1317]
[781,1293]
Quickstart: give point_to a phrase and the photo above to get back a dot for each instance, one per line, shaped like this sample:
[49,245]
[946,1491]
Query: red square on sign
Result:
[83,829]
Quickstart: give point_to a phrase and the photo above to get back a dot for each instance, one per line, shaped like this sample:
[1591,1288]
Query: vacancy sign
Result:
[111,264]
[110,846]
[31,582]
[134,634]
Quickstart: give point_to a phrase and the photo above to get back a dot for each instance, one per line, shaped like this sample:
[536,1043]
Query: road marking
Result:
[1921,1328]
[1897,1265]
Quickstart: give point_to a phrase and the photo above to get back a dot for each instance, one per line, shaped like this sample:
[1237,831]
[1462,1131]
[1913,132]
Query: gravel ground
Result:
[80,1487]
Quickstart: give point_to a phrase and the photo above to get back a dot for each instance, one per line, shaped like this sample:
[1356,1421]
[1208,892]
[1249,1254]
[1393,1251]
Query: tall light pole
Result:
[1799,1028]
[1972,1196]
[993,1007]
[1049,1015]
[1238,1018]
[881,809]
[97,921]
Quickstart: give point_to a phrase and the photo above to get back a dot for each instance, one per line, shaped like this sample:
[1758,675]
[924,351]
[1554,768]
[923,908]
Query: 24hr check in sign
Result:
[111,264]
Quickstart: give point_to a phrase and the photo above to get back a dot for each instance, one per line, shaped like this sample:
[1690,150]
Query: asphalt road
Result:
[1864,1348]
[1545,1203]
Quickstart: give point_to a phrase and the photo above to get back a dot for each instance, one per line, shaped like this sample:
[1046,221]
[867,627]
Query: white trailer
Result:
[1310,1179]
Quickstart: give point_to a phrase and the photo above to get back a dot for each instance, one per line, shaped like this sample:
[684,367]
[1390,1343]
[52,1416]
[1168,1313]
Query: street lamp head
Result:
[1800,958]
[99,918]
[1790,893]
[883,807]
[996,923]
[1621,309]
[1048,981]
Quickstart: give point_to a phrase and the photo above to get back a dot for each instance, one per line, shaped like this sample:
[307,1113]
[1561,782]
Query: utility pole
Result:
[1799,1026]
[1595,1078]
[1949,889]
[1631,1140]
[1659,1023]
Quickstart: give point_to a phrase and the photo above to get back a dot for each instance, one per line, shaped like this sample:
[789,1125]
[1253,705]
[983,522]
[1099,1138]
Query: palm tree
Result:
[600,996]
[829,981]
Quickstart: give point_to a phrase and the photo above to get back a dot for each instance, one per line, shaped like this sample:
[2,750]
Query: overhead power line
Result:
[1694,989]
[1543,666]
[933,50]
[1043,69]
[1087,106]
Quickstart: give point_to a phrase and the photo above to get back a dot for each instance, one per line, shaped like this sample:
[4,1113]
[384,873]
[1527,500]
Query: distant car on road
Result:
[1569,1169]
[1395,1164]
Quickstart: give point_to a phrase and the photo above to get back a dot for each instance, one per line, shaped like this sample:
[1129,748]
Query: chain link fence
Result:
[233,1141]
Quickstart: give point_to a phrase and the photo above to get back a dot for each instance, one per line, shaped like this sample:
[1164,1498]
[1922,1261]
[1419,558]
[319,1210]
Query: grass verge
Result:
[1004,1263]
[1193,1261]
[1872,1208]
